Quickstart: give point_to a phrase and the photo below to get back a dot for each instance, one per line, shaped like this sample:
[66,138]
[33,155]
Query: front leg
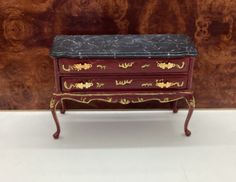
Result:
[53,105]
[63,107]
[191,105]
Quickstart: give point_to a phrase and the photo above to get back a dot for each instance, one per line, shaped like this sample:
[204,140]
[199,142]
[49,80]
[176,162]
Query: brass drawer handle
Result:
[126,65]
[81,85]
[170,65]
[77,67]
[169,84]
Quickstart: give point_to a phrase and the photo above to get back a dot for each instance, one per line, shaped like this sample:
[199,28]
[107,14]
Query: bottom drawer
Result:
[74,84]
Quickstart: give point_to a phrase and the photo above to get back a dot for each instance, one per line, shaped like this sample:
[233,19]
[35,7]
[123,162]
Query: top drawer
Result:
[111,66]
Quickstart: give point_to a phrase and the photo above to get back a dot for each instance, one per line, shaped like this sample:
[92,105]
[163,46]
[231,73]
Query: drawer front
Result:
[111,66]
[123,83]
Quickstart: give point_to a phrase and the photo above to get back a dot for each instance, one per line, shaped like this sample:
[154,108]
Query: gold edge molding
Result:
[84,101]
[165,100]
[120,94]
[123,101]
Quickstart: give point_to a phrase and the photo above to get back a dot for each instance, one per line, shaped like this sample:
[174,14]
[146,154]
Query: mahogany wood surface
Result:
[140,66]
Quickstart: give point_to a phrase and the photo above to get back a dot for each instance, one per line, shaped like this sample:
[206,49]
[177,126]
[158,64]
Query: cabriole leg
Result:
[191,105]
[174,106]
[63,108]
[53,105]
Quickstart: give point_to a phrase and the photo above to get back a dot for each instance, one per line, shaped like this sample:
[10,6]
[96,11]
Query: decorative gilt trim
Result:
[165,100]
[147,85]
[123,82]
[77,67]
[52,103]
[85,101]
[169,65]
[169,84]
[192,102]
[99,85]
[102,67]
[81,85]
[145,66]
[123,101]
[126,65]
[121,94]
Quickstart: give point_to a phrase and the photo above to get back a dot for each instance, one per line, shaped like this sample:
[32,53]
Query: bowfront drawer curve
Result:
[123,83]
[110,66]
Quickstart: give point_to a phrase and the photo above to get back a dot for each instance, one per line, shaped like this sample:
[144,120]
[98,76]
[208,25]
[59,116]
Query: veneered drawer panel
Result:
[123,83]
[110,66]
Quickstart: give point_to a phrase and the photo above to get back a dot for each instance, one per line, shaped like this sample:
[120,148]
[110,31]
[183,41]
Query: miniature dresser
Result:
[125,69]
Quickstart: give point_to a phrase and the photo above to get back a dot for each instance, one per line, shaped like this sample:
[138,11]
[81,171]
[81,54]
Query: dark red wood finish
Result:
[123,66]
[124,81]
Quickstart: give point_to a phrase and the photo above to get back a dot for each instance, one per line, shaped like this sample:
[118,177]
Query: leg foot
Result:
[187,132]
[53,105]
[191,104]
[56,135]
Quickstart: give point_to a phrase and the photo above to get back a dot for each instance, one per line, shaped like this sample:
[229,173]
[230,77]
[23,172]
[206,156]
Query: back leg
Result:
[174,106]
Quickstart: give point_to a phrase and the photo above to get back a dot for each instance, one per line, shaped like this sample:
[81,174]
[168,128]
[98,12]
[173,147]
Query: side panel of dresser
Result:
[57,86]
[190,74]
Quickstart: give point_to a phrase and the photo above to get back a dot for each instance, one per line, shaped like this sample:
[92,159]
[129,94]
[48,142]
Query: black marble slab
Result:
[123,46]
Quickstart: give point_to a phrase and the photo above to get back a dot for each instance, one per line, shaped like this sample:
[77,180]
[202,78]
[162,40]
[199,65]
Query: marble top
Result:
[123,46]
